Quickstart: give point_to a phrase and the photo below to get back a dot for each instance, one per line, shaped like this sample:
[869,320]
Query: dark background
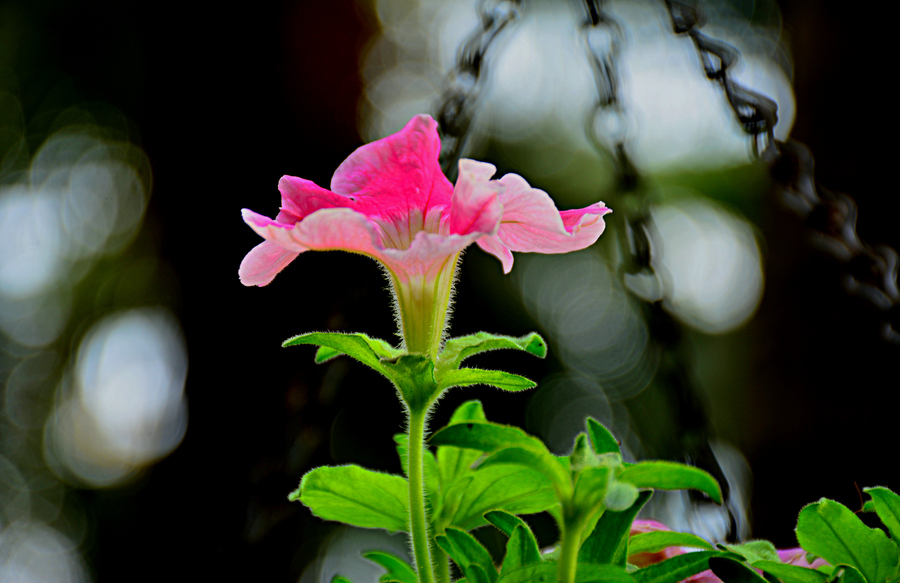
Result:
[227,100]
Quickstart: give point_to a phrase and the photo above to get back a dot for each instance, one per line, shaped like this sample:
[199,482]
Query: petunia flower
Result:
[390,201]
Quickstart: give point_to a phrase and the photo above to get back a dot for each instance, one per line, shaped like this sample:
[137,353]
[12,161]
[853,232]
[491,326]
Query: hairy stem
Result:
[570,544]
[442,565]
[418,527]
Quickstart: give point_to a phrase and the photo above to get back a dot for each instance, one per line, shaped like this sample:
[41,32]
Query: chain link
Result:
[870,272]
[456,105]
[603,38]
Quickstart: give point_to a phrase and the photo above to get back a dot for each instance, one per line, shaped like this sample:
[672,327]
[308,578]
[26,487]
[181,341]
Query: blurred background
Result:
[151,426]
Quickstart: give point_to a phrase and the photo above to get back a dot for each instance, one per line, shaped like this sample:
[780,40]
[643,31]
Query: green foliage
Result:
[398,570]
[791,573]
[340,579]
[661,475]
[608,542]
[755,550]
[601,438]
[730,570]
[887,506]
[653,542]
[466,552]
[522,548]
[832,531]
[546,573]
[677,568]
[356,496]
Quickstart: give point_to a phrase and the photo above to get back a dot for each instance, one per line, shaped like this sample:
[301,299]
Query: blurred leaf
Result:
[476,574]
[397,569]
[505,521]
[850,575]
[465,550]
[601,439]
[832,531]
[546,573]
[791,573]
[340,579]
[608,542]
[495,378]
[455,462]
[458,349]
[677,568]
[661,475]
[756,550]
[619,496]
[522,549]
[732,571]
[653,542]
[590,488]
[356,496]
[887,506]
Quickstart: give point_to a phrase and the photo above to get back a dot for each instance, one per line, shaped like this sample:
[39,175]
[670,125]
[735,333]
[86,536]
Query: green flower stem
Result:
[418,519]
[442,565]
[422,306]
[570,544]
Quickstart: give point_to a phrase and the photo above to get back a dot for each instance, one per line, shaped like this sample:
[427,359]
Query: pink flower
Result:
[390,201]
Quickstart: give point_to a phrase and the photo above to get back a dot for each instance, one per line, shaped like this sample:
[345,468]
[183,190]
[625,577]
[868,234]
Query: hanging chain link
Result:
[607,129]
[456,106]
[870,272]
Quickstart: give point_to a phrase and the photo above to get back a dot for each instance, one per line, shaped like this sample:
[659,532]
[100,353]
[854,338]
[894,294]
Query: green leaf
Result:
[484,436]
[369,351]
[397,569]
[413,374]
[475,376]
[676,569]
[832,531]
[601,438]
[732,571]
[476,574]
[542,462]
[791,573]
[324,354]
[465,550]
[340,579]
[511,488]
[455,462]
[505,521]
[546,573]
[662,475]
[458,349]
[590,488]
[849,575]
[653,542]
[619,495]
[608,541]
[356,496]
[755,550]
[521,549]
[887,506]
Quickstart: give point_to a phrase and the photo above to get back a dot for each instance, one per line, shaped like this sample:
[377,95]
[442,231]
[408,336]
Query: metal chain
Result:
[870,272]
[456,106]
[606,128]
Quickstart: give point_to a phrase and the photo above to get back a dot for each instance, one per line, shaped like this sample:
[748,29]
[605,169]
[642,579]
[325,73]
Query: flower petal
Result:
[300,197]
[398,172]
[428,254]
[475,206]
[324,230]
[264,262]
[532,224]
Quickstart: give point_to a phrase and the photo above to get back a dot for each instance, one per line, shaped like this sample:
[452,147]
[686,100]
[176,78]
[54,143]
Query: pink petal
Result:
[400,171]
[798,557]
[426,256]
[300,198]
[475,206]
[324,230]
[263,263]
[531,223]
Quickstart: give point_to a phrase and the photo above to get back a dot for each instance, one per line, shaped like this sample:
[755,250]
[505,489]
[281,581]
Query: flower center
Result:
[397,231]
